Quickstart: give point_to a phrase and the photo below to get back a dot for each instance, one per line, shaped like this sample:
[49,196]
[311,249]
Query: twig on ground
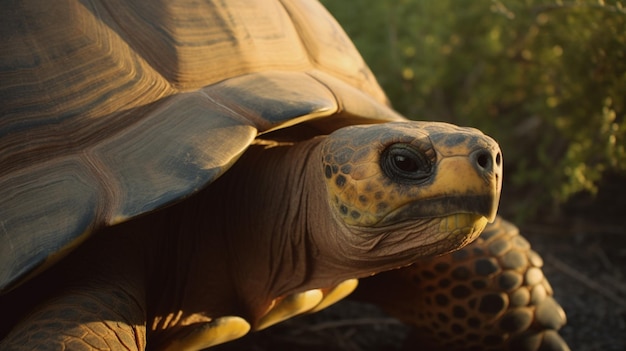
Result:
[614,283]
[566,269]
[603,257]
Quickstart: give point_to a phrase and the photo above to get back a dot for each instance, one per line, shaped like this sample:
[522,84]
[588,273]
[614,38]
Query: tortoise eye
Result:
[405,163]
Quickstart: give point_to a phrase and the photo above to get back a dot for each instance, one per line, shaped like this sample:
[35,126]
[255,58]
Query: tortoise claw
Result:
[337,293]
[199,336]
[290,306]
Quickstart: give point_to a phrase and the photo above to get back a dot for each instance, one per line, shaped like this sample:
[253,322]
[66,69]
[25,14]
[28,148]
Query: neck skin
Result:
[263,230]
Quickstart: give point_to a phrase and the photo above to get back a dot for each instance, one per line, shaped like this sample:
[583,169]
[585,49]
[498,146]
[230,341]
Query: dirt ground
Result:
[585,259]
[584,250]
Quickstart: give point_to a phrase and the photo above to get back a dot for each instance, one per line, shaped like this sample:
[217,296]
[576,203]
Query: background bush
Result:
[547,79]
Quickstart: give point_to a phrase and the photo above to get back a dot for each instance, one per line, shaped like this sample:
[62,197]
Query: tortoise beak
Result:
[478,190]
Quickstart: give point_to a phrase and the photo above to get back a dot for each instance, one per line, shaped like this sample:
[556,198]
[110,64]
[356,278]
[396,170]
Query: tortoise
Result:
[176,174]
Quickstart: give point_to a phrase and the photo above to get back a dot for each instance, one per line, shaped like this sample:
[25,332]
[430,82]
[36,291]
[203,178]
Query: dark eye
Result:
[405,163]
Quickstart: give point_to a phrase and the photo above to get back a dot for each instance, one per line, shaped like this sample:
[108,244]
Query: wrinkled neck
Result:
[285,236]
[269,200]
[265,229]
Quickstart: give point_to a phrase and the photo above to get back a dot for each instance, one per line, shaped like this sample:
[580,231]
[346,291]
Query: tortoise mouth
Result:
[481,205]
[410,240]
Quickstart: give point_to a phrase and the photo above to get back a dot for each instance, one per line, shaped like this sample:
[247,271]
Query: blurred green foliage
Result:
[547,79]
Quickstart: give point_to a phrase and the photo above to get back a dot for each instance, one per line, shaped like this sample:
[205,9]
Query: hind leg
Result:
[490,295]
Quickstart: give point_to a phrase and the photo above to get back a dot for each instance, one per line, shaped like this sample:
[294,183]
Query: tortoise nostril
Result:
[484,160]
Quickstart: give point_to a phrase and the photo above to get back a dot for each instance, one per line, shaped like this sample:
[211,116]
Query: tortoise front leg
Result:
[490,295]
[95,317]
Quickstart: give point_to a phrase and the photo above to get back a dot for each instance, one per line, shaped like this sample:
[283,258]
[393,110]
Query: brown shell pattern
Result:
[109,109]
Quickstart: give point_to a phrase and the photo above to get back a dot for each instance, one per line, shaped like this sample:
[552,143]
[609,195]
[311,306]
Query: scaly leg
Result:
[82,318]
[490,295]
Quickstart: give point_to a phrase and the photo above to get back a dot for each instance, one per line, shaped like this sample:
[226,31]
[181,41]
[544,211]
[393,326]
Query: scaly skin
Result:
[84,319]
[489,295]
[363,196]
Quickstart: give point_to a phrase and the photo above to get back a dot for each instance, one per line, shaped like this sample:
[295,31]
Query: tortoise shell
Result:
[111,109]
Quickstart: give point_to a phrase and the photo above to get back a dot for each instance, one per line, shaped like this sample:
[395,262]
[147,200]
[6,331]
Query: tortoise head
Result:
[425,184]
